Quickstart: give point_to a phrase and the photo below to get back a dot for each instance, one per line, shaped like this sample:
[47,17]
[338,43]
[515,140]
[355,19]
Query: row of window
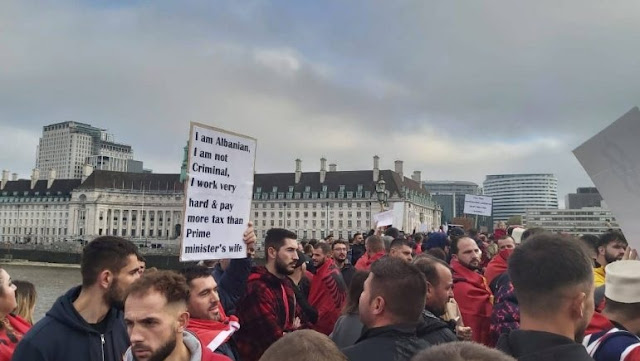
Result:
[310,205]
[307,214]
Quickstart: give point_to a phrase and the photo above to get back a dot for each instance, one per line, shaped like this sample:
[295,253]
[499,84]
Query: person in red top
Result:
[375,250]
[498,264]
[470,290]
[156,316]
[12,328]
[328,290]
[268,309]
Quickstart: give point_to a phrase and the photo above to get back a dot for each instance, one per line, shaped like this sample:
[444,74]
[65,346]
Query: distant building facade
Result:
[450,196]
[67,147]
[338,203]
[514,194]
[584,197]
[589,220]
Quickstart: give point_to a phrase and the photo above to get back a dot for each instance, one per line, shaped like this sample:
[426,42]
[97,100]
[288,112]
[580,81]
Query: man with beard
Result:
[208,319]
[347,270]
[86,322]
[401,249]
[328,291]
[357,248]
[553,279]
[156,318]
[611,247]
[268,309]
[471,291]
[439,291]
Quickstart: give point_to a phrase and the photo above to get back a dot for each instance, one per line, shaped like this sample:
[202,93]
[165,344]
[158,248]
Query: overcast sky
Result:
[456,89]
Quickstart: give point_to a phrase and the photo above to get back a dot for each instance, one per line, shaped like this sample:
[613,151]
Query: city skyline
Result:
[456,90]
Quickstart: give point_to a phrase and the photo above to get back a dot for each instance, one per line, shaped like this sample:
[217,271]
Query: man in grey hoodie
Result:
[155,313]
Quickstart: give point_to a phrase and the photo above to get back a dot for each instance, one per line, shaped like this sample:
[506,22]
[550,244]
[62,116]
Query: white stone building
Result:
[588,220]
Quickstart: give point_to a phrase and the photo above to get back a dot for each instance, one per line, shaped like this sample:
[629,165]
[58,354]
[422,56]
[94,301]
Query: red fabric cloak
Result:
[327,295]
[364,263]
[497,265]
[211,333]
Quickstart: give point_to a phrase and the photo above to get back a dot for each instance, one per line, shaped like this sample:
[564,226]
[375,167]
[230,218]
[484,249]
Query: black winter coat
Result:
[63,335]
[434,330]
[388,343]
[538,345]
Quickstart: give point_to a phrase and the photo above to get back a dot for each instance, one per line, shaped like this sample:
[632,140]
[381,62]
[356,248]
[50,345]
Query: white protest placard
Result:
[398,215]
[612,160]
[479,205]
[383,219]
[218,192]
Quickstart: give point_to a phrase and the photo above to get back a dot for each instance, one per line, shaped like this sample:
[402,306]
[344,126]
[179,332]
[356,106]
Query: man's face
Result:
[402,252]
[340,252]
[122,280]
[286,257]
[318,257]
[153,326]
[251,250]
[468,253]
[204,302]
[614,251]
[358,239]
[507,243]
[439,295]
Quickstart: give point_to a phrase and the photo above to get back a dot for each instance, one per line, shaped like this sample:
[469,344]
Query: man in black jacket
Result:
[553,279]
[439,291]
[87,322]
[390,307]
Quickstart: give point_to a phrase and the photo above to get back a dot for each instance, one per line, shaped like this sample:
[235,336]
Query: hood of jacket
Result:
[64,312]
[189,339]
[538,345]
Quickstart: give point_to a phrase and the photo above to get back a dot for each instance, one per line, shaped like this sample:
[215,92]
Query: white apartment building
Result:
[66,147]
[588,220]
[513,194]
[341,203]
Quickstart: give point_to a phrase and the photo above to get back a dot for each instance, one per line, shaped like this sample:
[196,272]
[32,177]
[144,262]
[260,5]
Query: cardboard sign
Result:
[383,219]
[612,160]
[479,205]
[218,192]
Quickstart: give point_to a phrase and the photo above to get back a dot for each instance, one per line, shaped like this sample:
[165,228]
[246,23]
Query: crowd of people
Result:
[460,295]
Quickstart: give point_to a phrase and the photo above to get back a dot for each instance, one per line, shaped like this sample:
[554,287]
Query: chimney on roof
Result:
[416,176]
[323,169]
[35,175]
[376,168]
[14,176]
[52,177]
[86,172]
[333,167]
[399,169]
[5,178]
[298,170]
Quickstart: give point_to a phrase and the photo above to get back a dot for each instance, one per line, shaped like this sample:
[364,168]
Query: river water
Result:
[50,281]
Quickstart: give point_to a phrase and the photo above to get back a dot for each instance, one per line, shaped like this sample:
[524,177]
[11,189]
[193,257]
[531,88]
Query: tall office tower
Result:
[513,194]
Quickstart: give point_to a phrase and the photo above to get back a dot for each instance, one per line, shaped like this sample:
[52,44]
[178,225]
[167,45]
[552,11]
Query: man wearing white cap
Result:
[619,323]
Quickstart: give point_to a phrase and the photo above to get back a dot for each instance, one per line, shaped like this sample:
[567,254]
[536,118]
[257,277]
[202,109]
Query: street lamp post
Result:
[381,192]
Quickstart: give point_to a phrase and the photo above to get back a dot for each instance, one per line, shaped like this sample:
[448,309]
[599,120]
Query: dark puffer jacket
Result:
[388,343]
[505,315]
[434,330]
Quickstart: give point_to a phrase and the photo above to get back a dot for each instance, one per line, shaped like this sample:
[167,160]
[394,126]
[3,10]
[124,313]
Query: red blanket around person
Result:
[211,333]
[327,295]
[365,262]
[474,300]
[497,265]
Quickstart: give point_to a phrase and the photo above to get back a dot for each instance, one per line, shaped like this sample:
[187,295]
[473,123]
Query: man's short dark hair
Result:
[611,236]
[530,232]
[193,272]
[399,242]
[392,232]
[333,245]
[437,253]
[629,311]
[428,266]
[590,241]
[454,244]
[461,351]
[105,253]
[401,285]
[172,285]
[418,238]
[546,265]
[305,345]
[356,235]
[276,236]
[325,247]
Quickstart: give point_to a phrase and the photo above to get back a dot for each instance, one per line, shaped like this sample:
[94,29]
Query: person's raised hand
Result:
[249,236]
